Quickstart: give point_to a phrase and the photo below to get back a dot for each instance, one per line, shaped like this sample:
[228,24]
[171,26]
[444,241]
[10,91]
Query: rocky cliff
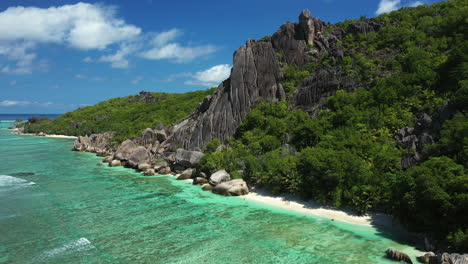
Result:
[257,74]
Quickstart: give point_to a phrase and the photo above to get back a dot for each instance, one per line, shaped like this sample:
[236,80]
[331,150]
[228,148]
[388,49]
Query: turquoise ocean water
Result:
[57,206]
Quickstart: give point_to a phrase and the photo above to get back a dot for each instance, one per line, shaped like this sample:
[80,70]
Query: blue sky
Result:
[58,55]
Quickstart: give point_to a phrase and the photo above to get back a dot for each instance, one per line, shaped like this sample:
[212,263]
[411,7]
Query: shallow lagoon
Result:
[57,206]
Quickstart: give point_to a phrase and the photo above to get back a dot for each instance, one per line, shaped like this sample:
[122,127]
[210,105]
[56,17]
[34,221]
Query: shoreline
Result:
[50,136]
[291,203]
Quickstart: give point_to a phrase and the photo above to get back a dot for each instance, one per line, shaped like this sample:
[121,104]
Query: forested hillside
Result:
[395,141]
[126,116]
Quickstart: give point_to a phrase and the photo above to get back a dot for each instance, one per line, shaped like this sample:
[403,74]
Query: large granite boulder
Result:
[138,156]
[125,150]
[219,177]
[398,256]
[188,159]
[200,181]
[147,138]
[232,188]
[161,135]
[186,174]
[115,163]
[95,141]
[453,258]
[428,258]
[256,74]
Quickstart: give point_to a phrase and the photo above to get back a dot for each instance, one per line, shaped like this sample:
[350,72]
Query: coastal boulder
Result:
[165,170]
[186,174]
[200,181]
[232,188]
[108,159]
[398,256]
[453,258]
[161,135]
[144,166]
[160,164]
[115,163]
[138,156]
[149,172]
[429,258]
[125,149]
[207,187]
[188,159]
[219,177]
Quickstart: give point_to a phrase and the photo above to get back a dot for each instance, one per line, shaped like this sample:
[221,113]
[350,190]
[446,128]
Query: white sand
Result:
[51,136]
[310,208]
[60,136]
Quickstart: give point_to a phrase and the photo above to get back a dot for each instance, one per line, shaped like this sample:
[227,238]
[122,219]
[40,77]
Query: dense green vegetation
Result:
[347,156]
[126,116]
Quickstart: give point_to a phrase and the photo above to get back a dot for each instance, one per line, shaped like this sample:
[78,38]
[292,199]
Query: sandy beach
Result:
[51,136]
[289,202]
[60,136]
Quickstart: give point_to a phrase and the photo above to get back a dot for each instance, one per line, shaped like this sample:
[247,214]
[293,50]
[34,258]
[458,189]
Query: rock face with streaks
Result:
[94,143]
[256,74]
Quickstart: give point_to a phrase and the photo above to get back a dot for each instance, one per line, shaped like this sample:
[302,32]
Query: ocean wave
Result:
[80,245]
[7,121]
[10,181]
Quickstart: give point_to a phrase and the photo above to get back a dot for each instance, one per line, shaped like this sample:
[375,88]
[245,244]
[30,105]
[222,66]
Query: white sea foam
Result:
[9,183]
[7,121]
[7,180]
[80,245]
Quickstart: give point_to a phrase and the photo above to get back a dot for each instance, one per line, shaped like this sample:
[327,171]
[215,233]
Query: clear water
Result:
[57,206]
[13,117]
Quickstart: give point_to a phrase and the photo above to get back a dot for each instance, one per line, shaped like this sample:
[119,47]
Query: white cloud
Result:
[19,53]
[417,3]
[87,59]
[164,47]
[82,25]
[119,59]
[166,36]
[85,26]
[14,103]
[212,76]
[85,77]
[137,80]
[386,6]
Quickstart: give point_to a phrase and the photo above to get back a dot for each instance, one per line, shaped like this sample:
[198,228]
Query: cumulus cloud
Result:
[386,6]
[82,25]
[87,59]
[14,103]
[137,80]
[417,3]
[85,26]
[212,76]
[165,47]
[20,54]
[119,59]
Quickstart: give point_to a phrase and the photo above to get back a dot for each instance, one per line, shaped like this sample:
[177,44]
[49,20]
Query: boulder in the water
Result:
[235,187]
[398,256]
[219,177]
[115,163]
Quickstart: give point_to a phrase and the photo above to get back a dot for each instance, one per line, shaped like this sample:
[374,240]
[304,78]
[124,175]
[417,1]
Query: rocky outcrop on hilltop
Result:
[424,132]
[257,75]
[97,143]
